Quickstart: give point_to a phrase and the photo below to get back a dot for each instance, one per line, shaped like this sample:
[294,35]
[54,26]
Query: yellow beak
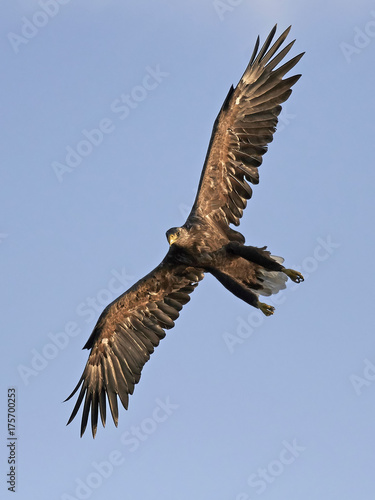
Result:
[172,238]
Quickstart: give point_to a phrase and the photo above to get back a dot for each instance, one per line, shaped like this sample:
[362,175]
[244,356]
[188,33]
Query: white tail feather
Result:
[272,281]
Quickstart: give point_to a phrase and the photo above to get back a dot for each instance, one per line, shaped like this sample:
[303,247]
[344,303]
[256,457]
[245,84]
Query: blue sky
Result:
[232,405]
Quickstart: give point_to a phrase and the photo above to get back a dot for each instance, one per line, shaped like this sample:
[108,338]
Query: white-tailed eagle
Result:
[131,327]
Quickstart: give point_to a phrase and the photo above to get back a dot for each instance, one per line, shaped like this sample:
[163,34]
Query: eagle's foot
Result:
[294,275]
[266,309]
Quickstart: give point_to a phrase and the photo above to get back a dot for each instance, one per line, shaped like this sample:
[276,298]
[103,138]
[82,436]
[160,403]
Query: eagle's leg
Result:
[256,255]
[266,309]
[263,258]
[241,291]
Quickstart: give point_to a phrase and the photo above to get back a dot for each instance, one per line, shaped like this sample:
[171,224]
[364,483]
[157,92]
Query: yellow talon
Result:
[294,275]
[266,309]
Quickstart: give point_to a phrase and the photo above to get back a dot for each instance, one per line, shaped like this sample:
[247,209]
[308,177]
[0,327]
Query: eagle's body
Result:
[130,327]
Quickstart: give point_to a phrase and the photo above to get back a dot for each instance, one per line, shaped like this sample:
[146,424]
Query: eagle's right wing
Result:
[125,335]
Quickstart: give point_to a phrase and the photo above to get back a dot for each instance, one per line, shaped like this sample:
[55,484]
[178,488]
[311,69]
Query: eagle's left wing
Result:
[125,335]
[245,125]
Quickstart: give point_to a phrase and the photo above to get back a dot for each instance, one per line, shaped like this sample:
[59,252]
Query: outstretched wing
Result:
[125,336]
[245,125]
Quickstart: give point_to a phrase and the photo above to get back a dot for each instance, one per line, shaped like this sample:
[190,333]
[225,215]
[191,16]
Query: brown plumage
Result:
[131,327]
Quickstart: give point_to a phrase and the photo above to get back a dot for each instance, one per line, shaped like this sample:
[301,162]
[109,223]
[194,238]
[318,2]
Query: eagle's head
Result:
[177,235]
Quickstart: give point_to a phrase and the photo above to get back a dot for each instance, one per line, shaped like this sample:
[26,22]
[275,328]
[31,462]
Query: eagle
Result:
[129,329]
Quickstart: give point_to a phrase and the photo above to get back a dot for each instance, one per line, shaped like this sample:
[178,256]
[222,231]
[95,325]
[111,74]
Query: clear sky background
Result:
[232,405]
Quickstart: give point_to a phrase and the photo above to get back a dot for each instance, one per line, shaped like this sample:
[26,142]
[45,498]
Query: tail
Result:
[247,280]
[260,271]
[271,282]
